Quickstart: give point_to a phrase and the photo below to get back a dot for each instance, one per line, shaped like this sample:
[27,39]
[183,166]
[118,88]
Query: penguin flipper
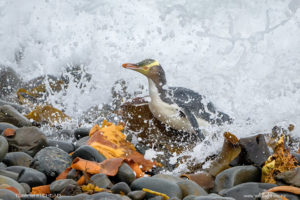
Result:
[192,119]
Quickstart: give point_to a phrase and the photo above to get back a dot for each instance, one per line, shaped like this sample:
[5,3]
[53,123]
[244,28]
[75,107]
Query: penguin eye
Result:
[145,68]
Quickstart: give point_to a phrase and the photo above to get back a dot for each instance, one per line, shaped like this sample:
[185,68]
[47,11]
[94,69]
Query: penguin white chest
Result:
[167,113]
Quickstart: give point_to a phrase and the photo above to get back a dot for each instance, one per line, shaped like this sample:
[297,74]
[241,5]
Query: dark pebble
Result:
[9,174]
[32,177]
[88,153]
[76,197]
[82,141]
[189,187]
[101,180]
[137,195]
[27,139]
[104,195]
[121,188]
[17,158]
[57,186]
[26,187]
[66,146]
[10,115]
[3,147]
[235,176]
[159,185]
[8,195]
[254,151]
[125,174]
[81,132]
[51,161]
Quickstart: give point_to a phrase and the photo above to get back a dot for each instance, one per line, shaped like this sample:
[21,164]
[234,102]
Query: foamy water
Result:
[243,55]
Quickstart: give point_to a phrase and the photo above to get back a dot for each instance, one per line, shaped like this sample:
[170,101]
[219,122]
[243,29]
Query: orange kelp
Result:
[282,160]
[111,142]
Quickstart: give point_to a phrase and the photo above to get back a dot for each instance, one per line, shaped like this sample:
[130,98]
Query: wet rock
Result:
[10,115]
[76,197]
[4,125]
[73,174]
[3,147]
[254,151]
[291,177]
[104,195]
[88,153]
[19,108]
[82,141]
[125,174]
[16,169]
[81,132]
[57,186]
[71,190]
[169,188]
[123,197]
[66,146]
[17,158]
[203,179]
[246,191]
[121,188]
[168,177]
[34,197]
[137,195]
[156,198]
[9,81]
[51,161]
[101,180]
[8,195]
[32,177]
[28,139]
[209,197]
[10,174]
[270,196]
[2,165]
[13,183]
[191,188]
[235,176]
[26,187]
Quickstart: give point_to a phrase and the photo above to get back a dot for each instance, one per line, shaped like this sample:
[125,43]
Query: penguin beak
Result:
[130,66]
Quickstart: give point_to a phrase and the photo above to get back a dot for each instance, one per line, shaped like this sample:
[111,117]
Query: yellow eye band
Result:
[155,63]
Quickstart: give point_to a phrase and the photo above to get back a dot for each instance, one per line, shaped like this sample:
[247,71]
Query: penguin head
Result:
[150,68]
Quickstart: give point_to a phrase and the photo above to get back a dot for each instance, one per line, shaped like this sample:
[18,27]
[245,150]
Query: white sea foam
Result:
[243,55]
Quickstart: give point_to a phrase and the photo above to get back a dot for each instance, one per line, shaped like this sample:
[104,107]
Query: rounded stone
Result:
[9,174]
[32,177]
[8,195]
[27,139]
[5,125]
[66,146]
[246,191]
[57,186]
[34,197]
[82,141]
[16,169]
[235,176]
[3,147]
[104,195]
[137,195]
[17,158]
[26,187]
[13,183]
[159,185]
[210,197]
[168,177]
[191,188]
[121,188]
[9,80]
[10,115]
[2,165]
[125,174]
[76,197]
[51,161]
[88,153]
[101,180]
[81,132]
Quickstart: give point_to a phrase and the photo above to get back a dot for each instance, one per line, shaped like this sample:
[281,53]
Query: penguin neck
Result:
[158,91]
